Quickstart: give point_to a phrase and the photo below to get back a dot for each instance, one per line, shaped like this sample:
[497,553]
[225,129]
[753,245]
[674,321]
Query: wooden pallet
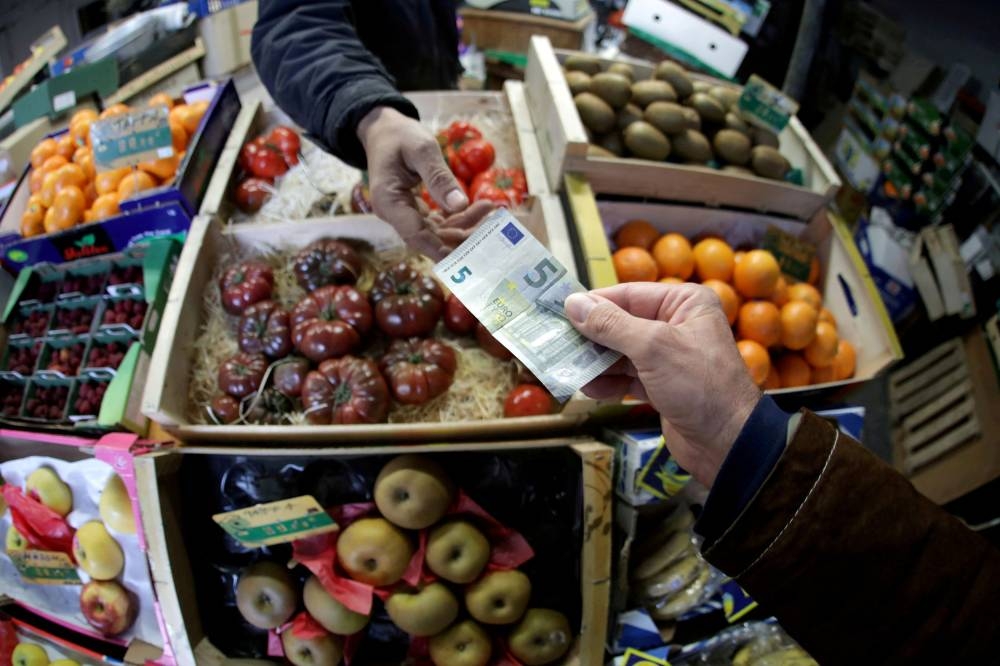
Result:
[933,405]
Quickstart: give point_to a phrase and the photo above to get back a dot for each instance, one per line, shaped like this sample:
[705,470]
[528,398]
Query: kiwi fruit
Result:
[707,107]
[628,115]
[645,93]
[735,168]
[692,146]
[582,63]
[614,89]
[701,86]
[732,146]
[768,162]
[622,69]
[613,143]
[763,137]
[676,76]
[728,97]
[597,151]
[734,122]
[691,118]
[579,82]
[668,117]
[595,112]
[645,141]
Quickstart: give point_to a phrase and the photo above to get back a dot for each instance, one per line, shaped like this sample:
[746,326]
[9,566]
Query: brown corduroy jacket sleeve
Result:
[857,566]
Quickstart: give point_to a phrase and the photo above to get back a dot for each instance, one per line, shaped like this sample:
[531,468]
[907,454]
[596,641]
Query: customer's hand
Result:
[680,356]
[402,153]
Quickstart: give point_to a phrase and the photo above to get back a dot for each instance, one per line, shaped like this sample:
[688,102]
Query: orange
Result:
[636,233]
[66,146]
[53,163]
[823,349]
[108,181]
[36,179]
[798,324]
[66,211]
[805,292]
[671,280]
[757,361]
[738,256]
[86,163]
[45,149]
[727,295]
[83,115]
[757,274]
[114,110]
[844,361]
[793,371]
[814,270]
[827,316]
[48,191]
[177,112]
[633,264]
[674,257]
[178,134]
[713,260]
[164,169]
[35,204]
[105,206]
[193,118]
[69,174]
[31,219]
[90,194]
[822,375]
[135,182]
[780,295]
[773,380]
[80,130]
[161,99]
[759,321]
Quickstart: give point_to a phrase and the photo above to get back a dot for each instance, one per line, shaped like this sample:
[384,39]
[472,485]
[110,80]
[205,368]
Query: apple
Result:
[457,552]
[108,607]
[326,650]
[499,597]
[266,595]
[45,485]
[332,615]
[463,644]
[96,551]
[413,492]
[29,654]
[116,507]
[374,551]
[65,662]
[423,612]
[542,636]
[15,540]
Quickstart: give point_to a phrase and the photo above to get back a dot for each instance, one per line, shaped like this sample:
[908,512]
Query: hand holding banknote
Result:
[679,355]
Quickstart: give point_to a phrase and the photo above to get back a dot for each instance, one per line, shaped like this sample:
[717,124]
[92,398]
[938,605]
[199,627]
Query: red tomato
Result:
[326,262]
[527,400]
[289,376]
[429,200]
[478,155]
[250,148]
[502,186]
[330,322]
[457,166]
[458,132]
[345,390]
[490,345]
[225,408]
[406,301]
[418,370]
[457,317]
[251,194]
[268,163]
[287,141]
[242,374]
[244,284]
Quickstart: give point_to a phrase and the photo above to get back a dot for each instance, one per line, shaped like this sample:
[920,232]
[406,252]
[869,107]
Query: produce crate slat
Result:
[950,351]
[951,396]
[916,399]
[942,446]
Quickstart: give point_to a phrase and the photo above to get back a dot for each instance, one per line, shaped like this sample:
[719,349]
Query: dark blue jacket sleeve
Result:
[754,454]
[311,60]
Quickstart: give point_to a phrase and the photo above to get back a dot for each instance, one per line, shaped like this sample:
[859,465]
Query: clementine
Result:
[793,371]
[134,182]
[823,349]
[759,321]
[636,233]
[45,149]
[805,292]
[713,260]
[633,264]
[674,256]
[845,360]
[798,324]
[727,296]
[756,359]
[757,274]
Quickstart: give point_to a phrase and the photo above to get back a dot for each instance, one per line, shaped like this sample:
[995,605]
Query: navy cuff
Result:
[755,452]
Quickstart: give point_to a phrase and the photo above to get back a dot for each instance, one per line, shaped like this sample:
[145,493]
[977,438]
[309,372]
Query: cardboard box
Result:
[645,472]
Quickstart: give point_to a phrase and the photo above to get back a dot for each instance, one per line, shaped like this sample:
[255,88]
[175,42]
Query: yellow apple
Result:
[413,492]
[45,485]
[266,595]
[374,551]
[424,612]
[499,597]
[332,615]
[116,507]
[15,540]
[326,650]
[96,551]
[65,662]
[457,552]
[463,644]
[542,636]
[29,654]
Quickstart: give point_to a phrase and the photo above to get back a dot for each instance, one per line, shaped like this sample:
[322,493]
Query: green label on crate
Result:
[634,657]
[794,256]
[130,138]
[276,522]
[764,105]
[44,567]
[662,477]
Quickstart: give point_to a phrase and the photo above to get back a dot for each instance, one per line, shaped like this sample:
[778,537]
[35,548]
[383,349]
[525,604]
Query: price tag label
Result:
[764,105]
[794,256]
[662,477]
[634,657]
[130,138]
[276,522]
[45,567]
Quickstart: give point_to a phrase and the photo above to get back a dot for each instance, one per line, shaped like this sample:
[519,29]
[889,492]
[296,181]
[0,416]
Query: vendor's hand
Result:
[680,356]
[402,153]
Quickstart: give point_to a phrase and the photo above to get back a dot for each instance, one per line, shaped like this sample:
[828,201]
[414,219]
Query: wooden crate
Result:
[944,406]
[563,140]
[513,31]
[166,397]
[161,479]
[847,288]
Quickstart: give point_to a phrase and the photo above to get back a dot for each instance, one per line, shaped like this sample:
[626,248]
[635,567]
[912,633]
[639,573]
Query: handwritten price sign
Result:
[130,138]
[276,522]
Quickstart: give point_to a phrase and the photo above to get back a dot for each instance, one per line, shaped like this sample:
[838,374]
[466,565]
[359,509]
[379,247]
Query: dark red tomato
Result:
[264,329]
[268,163]
[326,262]
[527,400]
[244,284]
[270,408]
[418,370]
[500,186]
[242,374]
[345,391]
[406,301]
[252,193]
[457,132]
[490,345]
[329,322]
[249,150]
[289,375]
[288,143]
[457,317]
[225,409]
